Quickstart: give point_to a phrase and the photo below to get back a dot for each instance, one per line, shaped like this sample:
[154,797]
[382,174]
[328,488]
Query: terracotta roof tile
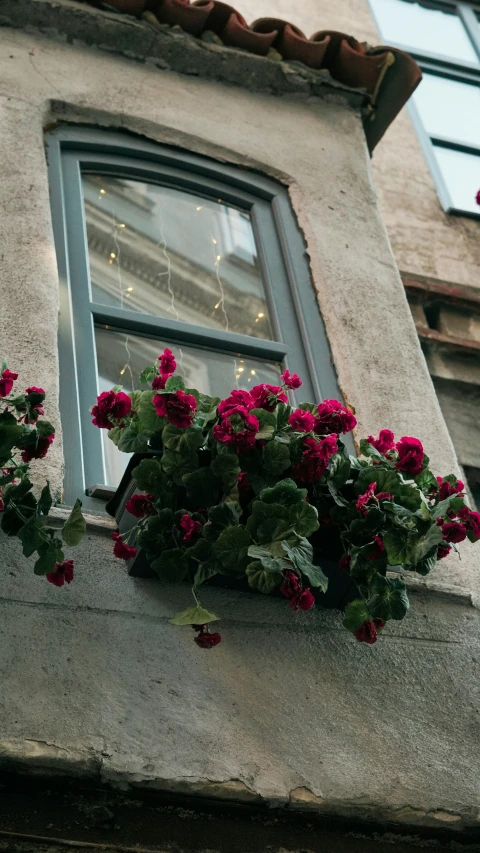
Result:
[388,75]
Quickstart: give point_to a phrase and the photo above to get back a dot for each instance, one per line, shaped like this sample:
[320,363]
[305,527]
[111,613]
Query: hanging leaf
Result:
[49,555]
[75,526]
[261,579]
[303,519]
[356,612]
[389,599]
[196,615]
[32,536]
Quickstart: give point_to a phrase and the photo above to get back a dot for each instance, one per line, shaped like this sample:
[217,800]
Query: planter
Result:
[325,542]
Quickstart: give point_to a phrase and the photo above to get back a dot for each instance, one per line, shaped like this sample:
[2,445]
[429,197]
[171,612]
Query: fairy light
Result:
[241,369]
[122,225]
[214,241]
[261,315]
[129,289]
[219,258]
[113,255]
[103,192]
[253,372]
[122,371]
[200,207]
[218,305]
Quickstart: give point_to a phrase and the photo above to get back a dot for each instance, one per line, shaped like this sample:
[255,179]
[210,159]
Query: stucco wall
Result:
[93,678]
[425,240]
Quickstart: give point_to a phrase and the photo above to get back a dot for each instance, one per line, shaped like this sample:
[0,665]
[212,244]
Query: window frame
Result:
[283,261]
[462,72]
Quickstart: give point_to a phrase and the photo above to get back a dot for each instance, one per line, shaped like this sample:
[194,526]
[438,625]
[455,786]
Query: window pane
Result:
[422,29]
[122,357]
[449,108]
[461,173]
[166,252]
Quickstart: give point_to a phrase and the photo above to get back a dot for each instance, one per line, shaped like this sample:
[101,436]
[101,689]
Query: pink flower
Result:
[237,398]
[6,382]
[191,528]
[363,500]
[448,489]
[334,417]
[139,505]
[454,532]
[366,632]
[384,496]
[291,380]
[301,421]
[410,455]
[178,408]
[122,551]
[239,430]
[111,406]
[344,563]
[40,450]
[443,551]
[167,363]
[384,442]
[62,573]
[315,458]
[267,396]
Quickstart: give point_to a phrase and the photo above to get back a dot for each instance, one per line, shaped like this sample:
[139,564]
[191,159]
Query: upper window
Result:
[160,248]
[444,37]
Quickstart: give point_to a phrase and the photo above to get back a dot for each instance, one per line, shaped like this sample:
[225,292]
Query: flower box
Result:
[327,548]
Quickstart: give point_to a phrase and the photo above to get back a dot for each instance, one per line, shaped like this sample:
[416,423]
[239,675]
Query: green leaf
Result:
[336,495]
[219,517]
[231,547]
[227,468]
[273,530]
[12,521]
[32,536]
[267,560]
[275,457]
[423,567]
[267,423]
[374,520]
[183,440]
[174,383]
[203,487]
[303,517]
[408,496]
[146,412]
[425,480]
[149,477]
[45,500]
[171,566]
[387,480]
[10,432]
[339,469]
[133,441]
[196,615]
[49,555]
[301,554]
[157,533]
[75,526]
[389,599]
[367,449]
[44,428]
[285,492]
[261,579]
[206,571]
[355,613]
[396,542]
[176,465]
[115,434]
[426,543]
[148,374]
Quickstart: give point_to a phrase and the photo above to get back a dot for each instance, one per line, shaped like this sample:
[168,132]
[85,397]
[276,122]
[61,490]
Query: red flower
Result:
[191,528]
[472,520]
[238,430]
[367,633]
[305,600]
[301,421]
[167,363]
[344,563]
[315,458]
[363,500]
[111,406]
[291,586]
[384,442]
[178,408]
[384,496]
[410,455]
[159,382]
[334,417]
[40,450]
[267,396]
[244,484]
[291,380]
[443,551]
[477,197]
[378,549]
[122,551]
[237,398]
[6,382]
[454,532]
[205,640]
[379,623]
[139,505]
[448,489]
[62,573]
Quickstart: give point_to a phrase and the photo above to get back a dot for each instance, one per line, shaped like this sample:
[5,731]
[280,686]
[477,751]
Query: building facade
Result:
[160,185]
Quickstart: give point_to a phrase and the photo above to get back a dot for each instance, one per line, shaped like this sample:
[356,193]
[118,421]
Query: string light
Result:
[253,372]
[113,255]
[241,369]
[219,258]
[200,207]
[217,305]
[261,314]
[122,371]
[129,289]
[214,241]
[122,225]
[102,192]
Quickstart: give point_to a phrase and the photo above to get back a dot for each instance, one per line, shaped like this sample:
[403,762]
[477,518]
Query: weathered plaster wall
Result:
[425,240]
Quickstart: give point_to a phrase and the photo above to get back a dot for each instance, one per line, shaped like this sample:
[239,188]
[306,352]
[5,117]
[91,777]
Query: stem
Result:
[195,597]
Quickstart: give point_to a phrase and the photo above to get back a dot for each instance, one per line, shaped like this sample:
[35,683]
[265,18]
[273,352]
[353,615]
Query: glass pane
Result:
[449,108]
[122,357]
[422,29]
[166,252]
[461,173]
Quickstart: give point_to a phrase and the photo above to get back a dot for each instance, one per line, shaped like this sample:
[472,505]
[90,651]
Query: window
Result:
[444,37]
[157,248]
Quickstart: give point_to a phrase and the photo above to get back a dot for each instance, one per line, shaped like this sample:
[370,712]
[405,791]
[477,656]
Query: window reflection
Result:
[449,108]
[461,173]
[169,253]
